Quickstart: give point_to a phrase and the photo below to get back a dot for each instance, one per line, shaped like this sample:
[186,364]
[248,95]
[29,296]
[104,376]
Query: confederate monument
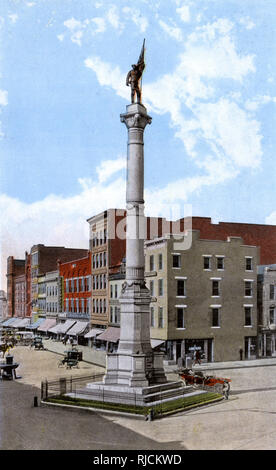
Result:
[135,369]
[135,364]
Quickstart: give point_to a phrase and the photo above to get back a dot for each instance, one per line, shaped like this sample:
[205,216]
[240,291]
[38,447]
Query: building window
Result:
[207,262]
[220,262]
[248,288]
[117,314]
[111,314]
[152,288]
[115,291]
[271,292]
[248,264]
[160,287]
[215,288]
[160,261]
[176,261]
[180,317]
[160,317]
[272,316]
[152,317]
[248,316]
[181,287]
[151,261]
[215,317]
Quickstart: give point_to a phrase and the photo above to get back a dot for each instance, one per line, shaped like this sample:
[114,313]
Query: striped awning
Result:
[20,323]
[54,329]
[9,321]
[111,334]
[78,328]
[62,328]
[47,324]
[94,332]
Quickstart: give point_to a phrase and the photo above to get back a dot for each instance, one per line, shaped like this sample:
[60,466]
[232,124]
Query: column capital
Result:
[136,116]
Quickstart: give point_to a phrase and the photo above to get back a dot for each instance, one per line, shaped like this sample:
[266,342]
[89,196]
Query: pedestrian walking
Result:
[197,357]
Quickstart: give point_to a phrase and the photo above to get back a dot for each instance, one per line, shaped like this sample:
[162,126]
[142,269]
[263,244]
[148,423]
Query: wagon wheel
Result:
[60,363]
[184,383]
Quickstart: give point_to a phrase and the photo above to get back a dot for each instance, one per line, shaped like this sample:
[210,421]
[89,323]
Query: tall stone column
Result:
[135,299]
[135,364]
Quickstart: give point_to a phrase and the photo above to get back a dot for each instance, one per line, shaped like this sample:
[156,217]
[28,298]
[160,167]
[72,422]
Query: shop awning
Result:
[111,334]
[156,342]
[93,332]
[55,329]
[9,321]
[20,323]
[35,325]
[78,328]
[62,328]
[47,324]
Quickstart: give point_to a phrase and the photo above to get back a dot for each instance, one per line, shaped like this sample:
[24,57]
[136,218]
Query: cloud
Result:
[100,23]
[247,22]
[271,219]
[184,13]
[108,167]
[73,24]
[136,16]
[172,30]
[114,18]
[3,98]
[108,75]
[256,102]
[13,17]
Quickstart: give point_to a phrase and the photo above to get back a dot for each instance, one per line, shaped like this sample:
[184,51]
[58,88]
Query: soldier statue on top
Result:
[134,76]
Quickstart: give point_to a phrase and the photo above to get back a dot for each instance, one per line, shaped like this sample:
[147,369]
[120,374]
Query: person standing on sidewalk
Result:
[226,389]
[241,354]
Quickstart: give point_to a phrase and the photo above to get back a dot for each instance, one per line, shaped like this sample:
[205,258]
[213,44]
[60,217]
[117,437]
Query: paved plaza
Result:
[244,422]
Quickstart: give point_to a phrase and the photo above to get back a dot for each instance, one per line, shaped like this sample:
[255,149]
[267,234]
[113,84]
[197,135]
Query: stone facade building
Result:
[20,296]
[3,305]
[267,310]
[53,294]
[204,297]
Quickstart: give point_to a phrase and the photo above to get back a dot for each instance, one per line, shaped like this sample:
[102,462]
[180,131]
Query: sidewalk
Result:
[210,366]
[96,357]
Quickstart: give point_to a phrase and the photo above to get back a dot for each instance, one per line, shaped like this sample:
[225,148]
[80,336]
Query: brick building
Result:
[75,278]
[15,268]
[108,250]
[43,260]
